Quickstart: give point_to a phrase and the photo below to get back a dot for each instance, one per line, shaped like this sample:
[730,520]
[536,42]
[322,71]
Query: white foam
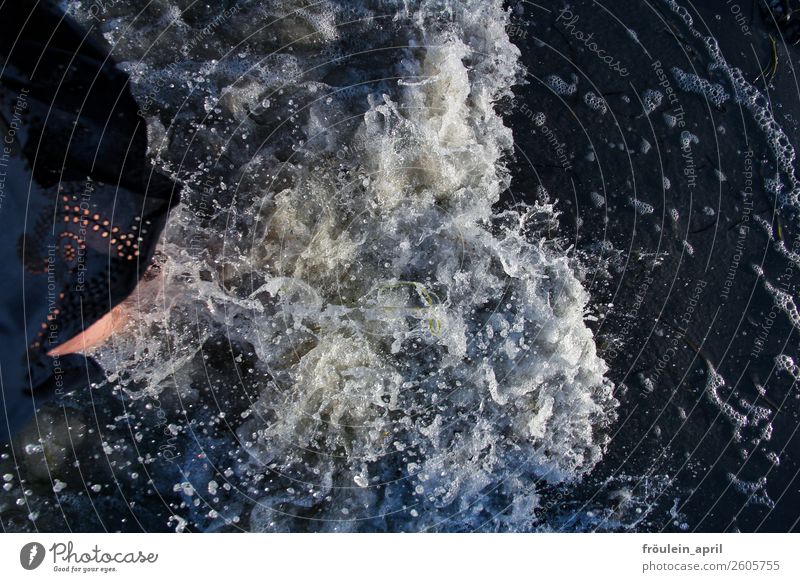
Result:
[598,199]
[399,323]
[652,99]
[560,86]
[641,207]
[747,95]
[693,83]
[595,102]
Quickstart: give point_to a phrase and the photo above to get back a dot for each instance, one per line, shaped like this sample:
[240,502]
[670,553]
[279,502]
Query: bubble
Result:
[687,139]
[597,199]
[692,83]
[560,86]
[652,100]
[641,207]
[595,102]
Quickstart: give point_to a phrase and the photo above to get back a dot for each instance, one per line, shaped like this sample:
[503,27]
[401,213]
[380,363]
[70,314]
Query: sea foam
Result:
[421,356]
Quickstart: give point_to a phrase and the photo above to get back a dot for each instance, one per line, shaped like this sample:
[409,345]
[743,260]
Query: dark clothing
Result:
[81,208]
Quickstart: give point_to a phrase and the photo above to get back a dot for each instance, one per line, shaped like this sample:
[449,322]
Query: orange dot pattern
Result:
[125,245]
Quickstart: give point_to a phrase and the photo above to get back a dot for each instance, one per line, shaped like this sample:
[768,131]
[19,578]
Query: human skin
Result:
[94,335]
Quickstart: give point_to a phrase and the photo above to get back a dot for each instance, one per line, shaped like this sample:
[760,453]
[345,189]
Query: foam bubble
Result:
[560,86]
[641,207]
[598,199]
[693,83]
[595,102]
[652,99]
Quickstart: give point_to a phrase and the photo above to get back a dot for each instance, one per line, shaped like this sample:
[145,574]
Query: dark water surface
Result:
[682,295]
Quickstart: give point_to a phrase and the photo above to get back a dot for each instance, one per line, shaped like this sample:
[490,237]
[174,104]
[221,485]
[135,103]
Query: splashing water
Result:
[420,356]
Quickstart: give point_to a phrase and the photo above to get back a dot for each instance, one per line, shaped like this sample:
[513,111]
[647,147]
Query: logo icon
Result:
[31,555]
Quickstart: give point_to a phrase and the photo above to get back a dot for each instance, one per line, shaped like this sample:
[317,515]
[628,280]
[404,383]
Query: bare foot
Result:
[92,337]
